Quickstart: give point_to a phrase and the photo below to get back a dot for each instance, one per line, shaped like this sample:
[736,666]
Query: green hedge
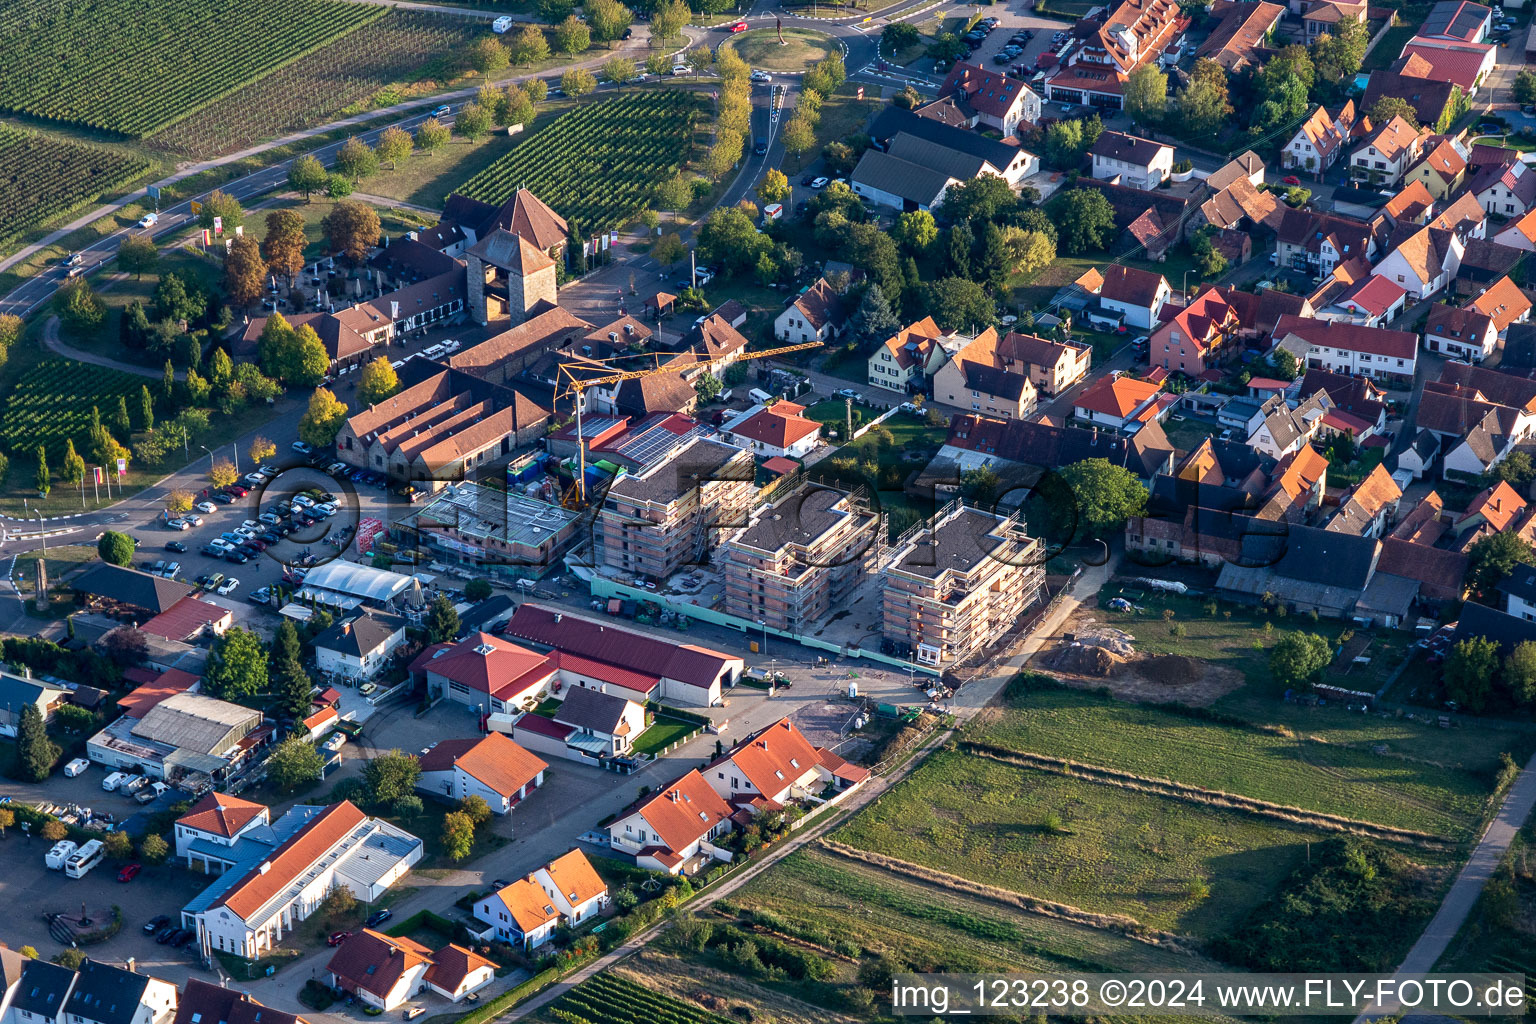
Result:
[510,998]
[424,918]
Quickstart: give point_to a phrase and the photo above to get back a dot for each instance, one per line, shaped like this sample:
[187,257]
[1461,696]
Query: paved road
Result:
[1463,895]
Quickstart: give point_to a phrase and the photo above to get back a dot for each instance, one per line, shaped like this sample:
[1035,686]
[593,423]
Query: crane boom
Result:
[571,384]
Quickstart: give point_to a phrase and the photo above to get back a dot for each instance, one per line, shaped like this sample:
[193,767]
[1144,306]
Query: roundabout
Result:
[801,49]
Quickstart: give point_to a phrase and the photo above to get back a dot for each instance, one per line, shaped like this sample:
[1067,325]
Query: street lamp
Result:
[764,624]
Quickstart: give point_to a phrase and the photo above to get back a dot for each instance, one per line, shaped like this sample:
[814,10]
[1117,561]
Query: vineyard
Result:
[598,165]
[42,176]
[605,999]
[344,78]
[135,66]
[53,401]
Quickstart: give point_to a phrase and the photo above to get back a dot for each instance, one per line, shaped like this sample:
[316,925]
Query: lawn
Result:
[662,733]
[1116,851]
[842,114]
[1266,765]
[801,48]
[886,914]
[1390,46]
[1186,434]
[1035,292]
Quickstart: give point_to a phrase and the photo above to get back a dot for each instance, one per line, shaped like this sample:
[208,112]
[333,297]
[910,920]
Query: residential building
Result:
[1242,207]
[977,441]
[1201,335]
[1464,217]
[666,518]
[1118,402]
[1506,187]
[253,906]
[381,970]
[359,647]
[1459,20]
[1423,262]
[1348,348]
[1137,295]
[1519,590]
[1461,333]
[1504,303]
[910,356]
[1154,220]
[1484,262]
[596,717]
[1320,139]
[816,314]
[1325,16]
[1130,160]
[1435,104]
[1373,301]
[40,996]
[958,583]
[673,830]
[1365,509]
[801,558]
[993,98]
[770,430]
[688,675]
[573,886]
[521,913]
[1242,32]
[1315,243]
[1133,33]
[204,1003]
[1521,234]
[776,766]
[207,835]
[1442,169]
[105,994]
[1285,430]
[1385,154]
[1054,366]
[1013,162]
[457,972]
[984,377]
[486,672]
[491,767]
[18,692]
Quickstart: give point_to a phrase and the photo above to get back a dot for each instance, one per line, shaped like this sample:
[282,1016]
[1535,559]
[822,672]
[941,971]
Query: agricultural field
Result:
[46,176]
[53,400]
[608,999]
[1266,764]
[135,66]
[598,165]
[1166,863]
[404,54]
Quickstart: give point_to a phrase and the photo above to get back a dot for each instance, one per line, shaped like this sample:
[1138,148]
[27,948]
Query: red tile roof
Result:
[1375,294]
[1352,337]
[991,93]
[682,812]
[493,759]
[688,663]
[630,679]
[491,665]
[186,618]
[542,726]
[773,759]
[1503,303]
[528,904]
[575,877]
[222,815]
[452,964]
[1116,396]
[1460,65]
[292,859]
[1498,505]
[772,427]
[172,681]
[375,962]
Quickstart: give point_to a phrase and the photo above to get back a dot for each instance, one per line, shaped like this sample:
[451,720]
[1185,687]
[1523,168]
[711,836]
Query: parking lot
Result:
[1011,20]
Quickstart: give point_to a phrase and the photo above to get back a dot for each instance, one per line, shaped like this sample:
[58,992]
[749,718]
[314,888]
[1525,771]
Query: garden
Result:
[134,66]
[404,54]
[598,165]
[46,176]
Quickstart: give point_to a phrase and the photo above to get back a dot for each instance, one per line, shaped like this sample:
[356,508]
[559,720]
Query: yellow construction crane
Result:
[570,383]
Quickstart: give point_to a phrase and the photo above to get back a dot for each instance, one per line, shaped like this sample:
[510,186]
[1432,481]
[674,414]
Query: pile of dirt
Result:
[1085,660]
[1117,641]
[1170,669]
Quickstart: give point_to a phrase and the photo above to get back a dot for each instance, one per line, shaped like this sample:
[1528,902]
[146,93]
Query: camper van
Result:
[85,858]
[59,854]
[502,25]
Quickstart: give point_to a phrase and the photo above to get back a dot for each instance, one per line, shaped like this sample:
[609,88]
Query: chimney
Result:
[130,966]
[346,629]
[558,618]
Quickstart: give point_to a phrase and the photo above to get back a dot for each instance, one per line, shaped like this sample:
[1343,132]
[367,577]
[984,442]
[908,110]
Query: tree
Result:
[431,135]
[1516,470]
[442,620]
[79,307]
[323,419]
[487,56]
[237,665]
[669,19]
[799,135]
[36,753]
[395,144]
[115,548]
[1203,106]
[1291,60]
[577,82]
[1525,86]
[458,835]
[11,327]
[608,19]
[338,186]
[146,408]
[222,473]
[1064,145]
[1297,658]
[1469,671]
[1146,95]
[245,272]
[707,387]
[339,904]
[391,777]
[70,959]
[1519,676]
[572,35]
[1085,221]
[898,36]
[668,249]
[991,263]
[774,188]
[307,175]
[619,70]
[1104,496]
[261,449]
[54,830]
[956,303]
[356,159]
[529,46]
[377,381]
[979,487]
[1287,366]
[477,589]
[1029,252]
[1388,107]
[1494,557]
[1338,56]
[8,816]
[174,300]
[284,245]
[1207,257]
[179,501]
[986,197]
[294,762]
[873,321]
[137,256]
[154,849]
[473,122]
[224,208]
[916,231]
[72,471]
[351,228]
[43,480]
[478,810]
[118,845]
[730,240]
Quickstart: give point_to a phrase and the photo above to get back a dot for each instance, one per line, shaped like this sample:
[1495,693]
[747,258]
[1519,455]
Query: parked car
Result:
[847,393]
[302,448]
[206,507]
[337,938]
[228,586]
[164,934]
[223,498]
[177,524]
[176,546]
[156,923]
[819,182]
[261,596]
[378,917]
[129,872]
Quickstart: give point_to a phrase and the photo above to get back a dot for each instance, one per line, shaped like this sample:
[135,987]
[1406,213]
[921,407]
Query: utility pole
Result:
[847,420]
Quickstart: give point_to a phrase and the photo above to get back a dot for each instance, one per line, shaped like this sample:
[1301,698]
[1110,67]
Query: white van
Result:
[111,782]
[59,855]
[502,25]
[76,767]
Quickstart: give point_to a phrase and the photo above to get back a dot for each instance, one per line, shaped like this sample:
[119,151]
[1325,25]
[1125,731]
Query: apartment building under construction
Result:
[958,582]
[660,521]
[801,557]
